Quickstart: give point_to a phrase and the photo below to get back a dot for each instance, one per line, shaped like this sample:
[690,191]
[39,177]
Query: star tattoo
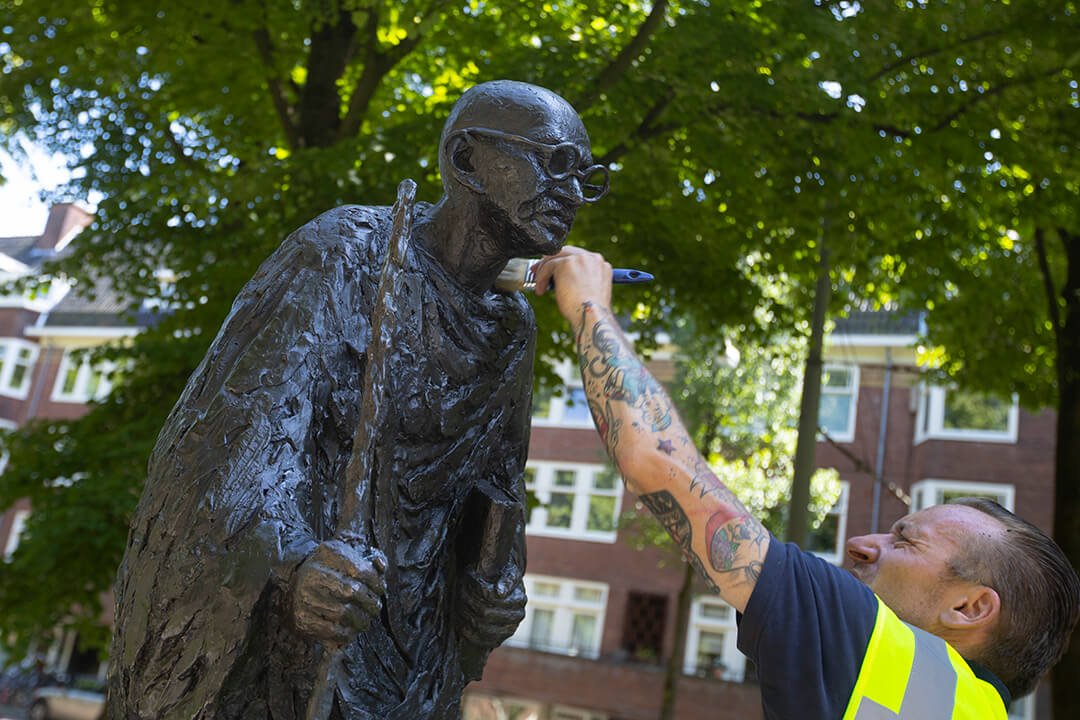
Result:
[666,447]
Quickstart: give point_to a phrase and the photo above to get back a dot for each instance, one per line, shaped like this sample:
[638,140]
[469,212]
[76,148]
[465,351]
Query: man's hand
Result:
[337,591]
[579,276]
[491,611]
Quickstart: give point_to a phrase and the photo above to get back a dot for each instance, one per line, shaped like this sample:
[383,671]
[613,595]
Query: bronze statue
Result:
[341,483]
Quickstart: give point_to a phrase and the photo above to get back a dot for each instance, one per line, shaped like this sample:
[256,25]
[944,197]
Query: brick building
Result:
[42,374]
[898,443]
[600,622]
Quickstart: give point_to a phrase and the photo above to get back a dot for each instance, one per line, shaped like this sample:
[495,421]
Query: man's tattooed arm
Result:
[638,424]
[671,517]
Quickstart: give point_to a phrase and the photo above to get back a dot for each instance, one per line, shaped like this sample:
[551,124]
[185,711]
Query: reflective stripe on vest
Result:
[910,674]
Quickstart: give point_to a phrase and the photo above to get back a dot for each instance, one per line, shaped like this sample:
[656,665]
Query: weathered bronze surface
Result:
[333,520]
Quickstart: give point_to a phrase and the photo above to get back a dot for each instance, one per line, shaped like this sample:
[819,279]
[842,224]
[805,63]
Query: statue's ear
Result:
[459,149]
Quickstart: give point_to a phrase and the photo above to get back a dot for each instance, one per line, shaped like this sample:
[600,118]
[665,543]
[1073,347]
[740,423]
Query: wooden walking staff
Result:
[357,504]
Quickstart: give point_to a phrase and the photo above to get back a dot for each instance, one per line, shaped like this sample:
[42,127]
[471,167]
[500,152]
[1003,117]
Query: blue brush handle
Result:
[626,276]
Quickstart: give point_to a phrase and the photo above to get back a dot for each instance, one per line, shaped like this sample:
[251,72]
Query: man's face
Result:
[910,567]
[533,178]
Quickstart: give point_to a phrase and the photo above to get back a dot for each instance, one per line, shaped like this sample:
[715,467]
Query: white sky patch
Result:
[832,88]
[856,102]
[21,210]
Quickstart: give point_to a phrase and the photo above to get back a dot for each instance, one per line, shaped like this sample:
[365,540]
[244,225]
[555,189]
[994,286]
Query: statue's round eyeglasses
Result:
[559,161]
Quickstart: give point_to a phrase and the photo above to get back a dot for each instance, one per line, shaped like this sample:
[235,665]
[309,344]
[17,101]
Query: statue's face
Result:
[536,170]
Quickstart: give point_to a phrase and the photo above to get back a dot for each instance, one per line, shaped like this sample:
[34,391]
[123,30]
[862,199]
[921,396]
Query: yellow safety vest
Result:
[910,674]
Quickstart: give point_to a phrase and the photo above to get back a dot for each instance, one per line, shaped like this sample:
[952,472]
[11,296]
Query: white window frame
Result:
[83,370]
[10,347]
[840,509]
[564,604]
[584,488]
[18,526]
[735,668]
[848,434]
[930,420]
[929,491]
[560,405]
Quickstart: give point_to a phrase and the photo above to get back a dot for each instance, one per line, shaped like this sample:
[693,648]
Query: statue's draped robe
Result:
[246,478]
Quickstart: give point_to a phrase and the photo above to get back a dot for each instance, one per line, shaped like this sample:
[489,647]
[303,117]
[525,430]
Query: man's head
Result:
[522,154]
[993,585]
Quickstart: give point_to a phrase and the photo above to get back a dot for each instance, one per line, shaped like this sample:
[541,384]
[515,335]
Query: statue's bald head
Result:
[514,107]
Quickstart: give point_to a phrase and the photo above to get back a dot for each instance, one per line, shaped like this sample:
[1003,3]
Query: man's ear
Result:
[975,607]
[459,149]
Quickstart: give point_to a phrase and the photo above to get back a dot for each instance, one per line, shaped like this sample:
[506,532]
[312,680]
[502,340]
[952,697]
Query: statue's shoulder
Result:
[350,224]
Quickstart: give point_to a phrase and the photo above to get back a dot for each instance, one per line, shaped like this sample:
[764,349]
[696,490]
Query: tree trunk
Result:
[798,524]
[1066,676]
[675,662]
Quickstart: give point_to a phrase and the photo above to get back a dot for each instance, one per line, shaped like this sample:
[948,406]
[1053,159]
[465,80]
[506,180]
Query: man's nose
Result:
[864,548]
[570,189]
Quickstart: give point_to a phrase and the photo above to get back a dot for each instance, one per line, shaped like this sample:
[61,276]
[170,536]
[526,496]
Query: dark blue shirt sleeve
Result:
[806,628]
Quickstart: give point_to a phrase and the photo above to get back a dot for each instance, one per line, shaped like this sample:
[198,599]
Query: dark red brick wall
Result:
[624,691]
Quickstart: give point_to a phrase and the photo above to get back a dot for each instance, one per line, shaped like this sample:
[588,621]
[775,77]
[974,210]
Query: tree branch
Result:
[931,52]
[996,90]
[622,62]
[377,64]
[285,111]
[648,128]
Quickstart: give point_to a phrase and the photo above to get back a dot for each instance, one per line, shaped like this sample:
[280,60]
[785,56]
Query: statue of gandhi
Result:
[239,576]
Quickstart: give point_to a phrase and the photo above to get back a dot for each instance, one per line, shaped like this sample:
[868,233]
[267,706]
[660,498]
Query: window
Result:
[562,616]
[576,500]
[568,407]
[827,539]
[954,414]
[79,381]
[643,629]
[937,492]
[18,525]
[16,365]
[711,649]
[839,396]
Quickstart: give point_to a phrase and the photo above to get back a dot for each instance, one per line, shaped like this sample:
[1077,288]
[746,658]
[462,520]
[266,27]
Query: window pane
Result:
[541,402]
[822,538]
[18,376]
[93,383]
[565,478]
[71,379]
[971,411]
[710,655]
[945,496]
[583,632]
[714,611]
[606,479]
[601,513]
[836,378]
[560,510]
[585,594]
[546,589]
[834,413]
[577,407]
[540,632]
